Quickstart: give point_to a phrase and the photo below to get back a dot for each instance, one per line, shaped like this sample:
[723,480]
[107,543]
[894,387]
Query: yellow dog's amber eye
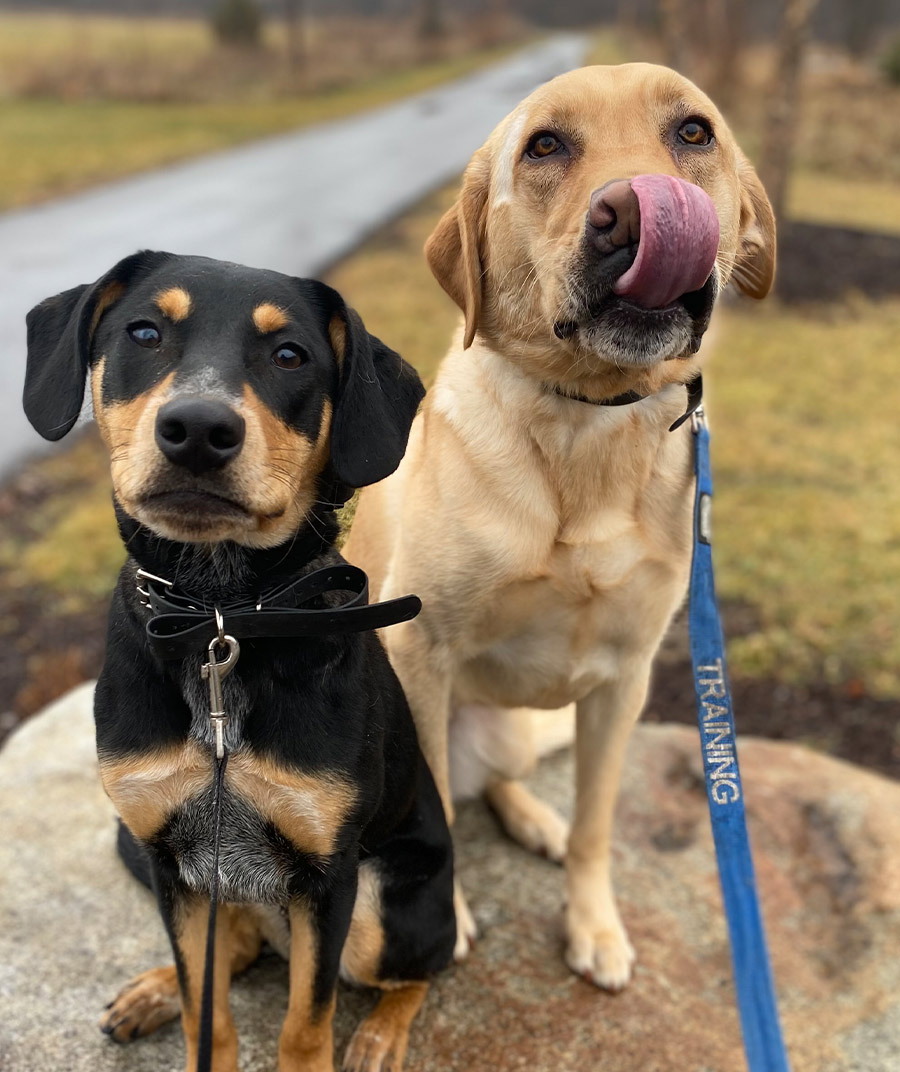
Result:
[542,145]
[695,132]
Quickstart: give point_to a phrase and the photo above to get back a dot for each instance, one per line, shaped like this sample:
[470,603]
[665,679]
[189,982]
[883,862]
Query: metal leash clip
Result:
[215,671]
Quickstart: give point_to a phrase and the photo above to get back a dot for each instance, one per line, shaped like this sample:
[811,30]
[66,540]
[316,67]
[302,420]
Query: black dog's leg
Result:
[404,928]
[186,916]
[318,930]
[159,995]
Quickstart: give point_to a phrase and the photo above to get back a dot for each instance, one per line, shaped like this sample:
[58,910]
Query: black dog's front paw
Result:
[146,1003]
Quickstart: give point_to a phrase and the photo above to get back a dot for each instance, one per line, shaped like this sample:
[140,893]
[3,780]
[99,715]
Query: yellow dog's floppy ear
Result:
[453,250]
[754,266]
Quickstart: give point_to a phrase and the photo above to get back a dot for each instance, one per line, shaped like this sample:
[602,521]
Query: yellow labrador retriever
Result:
[543,509]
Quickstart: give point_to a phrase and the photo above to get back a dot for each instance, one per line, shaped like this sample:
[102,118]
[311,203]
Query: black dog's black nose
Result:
[199,433]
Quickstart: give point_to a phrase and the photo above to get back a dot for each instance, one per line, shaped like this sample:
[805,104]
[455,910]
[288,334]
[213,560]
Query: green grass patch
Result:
[66,543]
[871,205]
[807,502]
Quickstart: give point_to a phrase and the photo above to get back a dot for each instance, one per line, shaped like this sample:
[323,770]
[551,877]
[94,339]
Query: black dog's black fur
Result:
[322,707]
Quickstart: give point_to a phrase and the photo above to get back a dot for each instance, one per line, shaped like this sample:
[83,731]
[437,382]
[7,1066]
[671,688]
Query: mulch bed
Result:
[841,720]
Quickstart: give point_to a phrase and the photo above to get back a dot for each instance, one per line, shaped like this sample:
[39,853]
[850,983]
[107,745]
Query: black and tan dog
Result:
[238,407]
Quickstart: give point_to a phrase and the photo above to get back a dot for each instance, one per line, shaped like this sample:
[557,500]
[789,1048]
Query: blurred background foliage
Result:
[801,388]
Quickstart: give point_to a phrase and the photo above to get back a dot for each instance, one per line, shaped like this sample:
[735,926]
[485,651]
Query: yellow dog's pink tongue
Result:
[678,244]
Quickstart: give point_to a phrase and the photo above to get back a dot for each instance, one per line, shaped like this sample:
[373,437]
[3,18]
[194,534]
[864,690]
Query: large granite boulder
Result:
[74,925]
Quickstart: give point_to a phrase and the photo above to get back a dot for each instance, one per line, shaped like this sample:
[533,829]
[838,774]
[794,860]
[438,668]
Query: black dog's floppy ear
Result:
[378,396]
[60,330]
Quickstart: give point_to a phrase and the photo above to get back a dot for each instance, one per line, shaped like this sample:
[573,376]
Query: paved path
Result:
[295,202]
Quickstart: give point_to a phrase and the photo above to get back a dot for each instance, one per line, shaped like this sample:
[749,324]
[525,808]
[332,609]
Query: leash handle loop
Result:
[756,999]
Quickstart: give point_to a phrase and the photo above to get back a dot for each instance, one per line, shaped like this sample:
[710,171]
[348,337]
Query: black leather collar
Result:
[183,625]
[627,398]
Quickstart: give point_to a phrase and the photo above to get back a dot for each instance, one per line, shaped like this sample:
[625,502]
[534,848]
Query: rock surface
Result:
[74,926]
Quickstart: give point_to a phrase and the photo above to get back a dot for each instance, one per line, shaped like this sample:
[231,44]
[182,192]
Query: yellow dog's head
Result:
[597,225]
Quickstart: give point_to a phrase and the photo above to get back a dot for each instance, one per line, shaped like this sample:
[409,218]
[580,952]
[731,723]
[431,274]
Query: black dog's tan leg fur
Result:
[379,1043]
[307,1042]
[152,998]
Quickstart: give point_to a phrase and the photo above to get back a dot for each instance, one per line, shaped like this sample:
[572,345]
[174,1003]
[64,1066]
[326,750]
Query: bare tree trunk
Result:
[725,32]
[784,101]
[676,25]
[431,21]
[495,22]
[294,13]
[626,16]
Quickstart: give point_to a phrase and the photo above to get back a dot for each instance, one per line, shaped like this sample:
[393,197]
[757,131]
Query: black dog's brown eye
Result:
[144,334]
[289,357]
[544,144]
[695,132]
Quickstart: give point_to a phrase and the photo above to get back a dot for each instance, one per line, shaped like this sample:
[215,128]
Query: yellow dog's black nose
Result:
[614,216]
[199,433]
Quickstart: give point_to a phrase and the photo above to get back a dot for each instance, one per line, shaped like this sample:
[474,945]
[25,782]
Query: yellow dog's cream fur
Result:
[550,539]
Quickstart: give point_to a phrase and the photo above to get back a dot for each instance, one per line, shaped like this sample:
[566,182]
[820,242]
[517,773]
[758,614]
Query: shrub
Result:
[238,22]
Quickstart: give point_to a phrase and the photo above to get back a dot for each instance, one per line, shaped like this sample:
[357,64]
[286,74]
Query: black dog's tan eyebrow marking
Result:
[337,334]
[108,296]
[268,317]
[174,303]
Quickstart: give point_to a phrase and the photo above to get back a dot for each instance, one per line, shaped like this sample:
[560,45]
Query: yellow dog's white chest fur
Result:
[573,545]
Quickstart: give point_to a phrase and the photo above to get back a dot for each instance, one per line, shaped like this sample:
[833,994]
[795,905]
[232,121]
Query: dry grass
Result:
[870,205]
[803,406]
[60,534]
[96,57]
[390,285]
[808,505]
[89,99]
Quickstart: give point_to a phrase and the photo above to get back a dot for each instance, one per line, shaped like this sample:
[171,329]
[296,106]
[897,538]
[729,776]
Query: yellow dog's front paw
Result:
[601,955]
[466,927]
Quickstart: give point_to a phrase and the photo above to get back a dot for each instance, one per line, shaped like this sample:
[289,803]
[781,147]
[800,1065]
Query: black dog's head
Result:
[229,397]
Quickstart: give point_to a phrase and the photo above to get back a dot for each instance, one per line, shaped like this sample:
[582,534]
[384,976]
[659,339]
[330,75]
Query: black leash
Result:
[205,1037]
[181,625]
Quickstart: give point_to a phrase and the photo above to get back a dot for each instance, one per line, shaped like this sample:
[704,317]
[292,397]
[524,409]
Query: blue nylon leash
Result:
[757,1005]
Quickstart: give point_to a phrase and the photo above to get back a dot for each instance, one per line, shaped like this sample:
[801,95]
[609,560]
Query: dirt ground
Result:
[48,644]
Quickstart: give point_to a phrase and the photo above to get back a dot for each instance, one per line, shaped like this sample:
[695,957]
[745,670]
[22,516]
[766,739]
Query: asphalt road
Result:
[295,203]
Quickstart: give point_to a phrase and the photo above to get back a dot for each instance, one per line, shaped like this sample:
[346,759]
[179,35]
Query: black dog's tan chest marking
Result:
[172,791]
